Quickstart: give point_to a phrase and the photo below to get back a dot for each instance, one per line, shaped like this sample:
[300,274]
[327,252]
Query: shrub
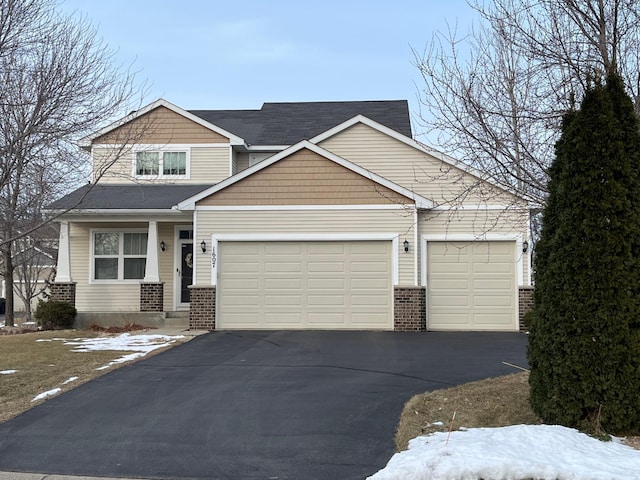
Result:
[52,315]
[584,342]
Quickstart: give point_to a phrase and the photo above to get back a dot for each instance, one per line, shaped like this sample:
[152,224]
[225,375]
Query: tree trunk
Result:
[7,263]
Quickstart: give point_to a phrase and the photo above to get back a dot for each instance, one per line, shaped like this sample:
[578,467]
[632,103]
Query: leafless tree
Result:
[34,260]
[58,83]
[495,96]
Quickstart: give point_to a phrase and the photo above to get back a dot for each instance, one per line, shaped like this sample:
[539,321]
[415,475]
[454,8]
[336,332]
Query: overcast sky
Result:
[230,54]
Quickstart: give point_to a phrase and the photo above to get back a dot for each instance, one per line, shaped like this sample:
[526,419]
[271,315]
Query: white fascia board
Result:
[412,143]
[245,208]
[97,215]
[420,201]
[266,148]
[161,102]
[480,207]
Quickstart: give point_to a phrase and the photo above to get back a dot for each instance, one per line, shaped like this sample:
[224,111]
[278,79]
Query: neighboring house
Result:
[321,215]
[34,261]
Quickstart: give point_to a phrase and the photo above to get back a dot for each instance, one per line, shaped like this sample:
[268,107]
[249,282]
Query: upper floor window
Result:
[159,163]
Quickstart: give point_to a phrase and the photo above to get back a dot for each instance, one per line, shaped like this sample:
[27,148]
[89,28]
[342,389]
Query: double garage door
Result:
[471,286]
[348,285]
[305,285]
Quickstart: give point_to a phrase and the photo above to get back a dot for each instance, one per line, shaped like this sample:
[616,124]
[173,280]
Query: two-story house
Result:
[320,215]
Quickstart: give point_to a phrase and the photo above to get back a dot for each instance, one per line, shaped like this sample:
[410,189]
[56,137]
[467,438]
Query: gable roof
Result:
[420,201]
[288,123]
[126,197]
[454,162]
[161,102]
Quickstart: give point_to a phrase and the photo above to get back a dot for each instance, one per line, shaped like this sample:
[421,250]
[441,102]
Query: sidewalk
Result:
[46,476]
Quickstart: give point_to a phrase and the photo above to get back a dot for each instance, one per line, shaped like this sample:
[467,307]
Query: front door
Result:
[186,271]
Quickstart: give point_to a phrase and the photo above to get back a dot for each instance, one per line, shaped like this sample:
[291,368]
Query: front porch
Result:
[115,269]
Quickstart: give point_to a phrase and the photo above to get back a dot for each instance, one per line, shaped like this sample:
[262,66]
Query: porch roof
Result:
[126,197]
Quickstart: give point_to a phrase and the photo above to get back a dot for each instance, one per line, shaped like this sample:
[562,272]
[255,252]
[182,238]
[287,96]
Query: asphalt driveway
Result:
[251,405]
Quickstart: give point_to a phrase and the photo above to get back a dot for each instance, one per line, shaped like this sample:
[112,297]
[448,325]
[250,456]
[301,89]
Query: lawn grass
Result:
[495,402]
[43,364]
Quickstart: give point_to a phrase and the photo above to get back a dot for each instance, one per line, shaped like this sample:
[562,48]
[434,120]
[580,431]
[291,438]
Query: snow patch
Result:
[518,451]
[69,380]
[7,372]
[140,344]
[46,394]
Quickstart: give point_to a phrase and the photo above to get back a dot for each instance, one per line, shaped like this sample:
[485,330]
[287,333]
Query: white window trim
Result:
[175,147]
[92,263]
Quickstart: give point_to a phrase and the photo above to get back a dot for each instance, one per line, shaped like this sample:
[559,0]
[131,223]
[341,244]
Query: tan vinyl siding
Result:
[107,297]
[396,222]
[477,223]
[112,164]
[305,178]
[402,164]
[161,126]
[209,164]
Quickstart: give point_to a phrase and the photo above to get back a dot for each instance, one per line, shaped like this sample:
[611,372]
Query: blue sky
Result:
[239,54]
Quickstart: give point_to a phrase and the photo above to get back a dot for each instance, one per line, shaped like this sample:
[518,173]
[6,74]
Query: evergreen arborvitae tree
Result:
[584,344]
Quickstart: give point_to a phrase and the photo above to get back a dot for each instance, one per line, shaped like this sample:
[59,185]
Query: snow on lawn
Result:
[141,344]
[46,394]
[516,452]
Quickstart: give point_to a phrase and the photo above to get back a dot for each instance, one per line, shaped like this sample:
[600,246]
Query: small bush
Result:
[52,315]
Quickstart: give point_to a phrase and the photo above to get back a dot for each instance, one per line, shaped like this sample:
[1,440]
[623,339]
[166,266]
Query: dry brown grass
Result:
[45,365]
[495,402]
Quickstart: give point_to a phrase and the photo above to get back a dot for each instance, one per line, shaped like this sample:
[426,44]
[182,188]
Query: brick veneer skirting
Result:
[202,312]
[152,297]
[410,309]
[525,303]
[63,292]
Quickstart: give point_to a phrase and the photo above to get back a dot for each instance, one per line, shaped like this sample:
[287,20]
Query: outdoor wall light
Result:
[525,246]
[203,246]
[163,246]
[406,246]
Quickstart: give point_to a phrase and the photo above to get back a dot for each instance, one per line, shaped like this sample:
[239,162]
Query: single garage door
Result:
[471,286]
[299,285]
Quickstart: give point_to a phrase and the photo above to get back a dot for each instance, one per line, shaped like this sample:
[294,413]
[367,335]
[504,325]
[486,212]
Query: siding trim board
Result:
[233,208]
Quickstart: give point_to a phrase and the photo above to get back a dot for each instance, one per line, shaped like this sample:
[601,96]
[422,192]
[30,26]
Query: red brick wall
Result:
[63,292]
[525,303]
[151,297]
[410,309]
[202,311]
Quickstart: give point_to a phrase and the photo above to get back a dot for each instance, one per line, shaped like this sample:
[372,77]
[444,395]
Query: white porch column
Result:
[151,272]
[63,269]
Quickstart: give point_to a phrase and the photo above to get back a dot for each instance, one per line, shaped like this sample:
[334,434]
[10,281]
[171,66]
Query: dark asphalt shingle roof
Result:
[108,196]
[289,123]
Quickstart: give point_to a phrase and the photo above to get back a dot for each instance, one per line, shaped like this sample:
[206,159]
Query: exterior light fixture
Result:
[163,246]
[525,246]
[203,246]
[406,246]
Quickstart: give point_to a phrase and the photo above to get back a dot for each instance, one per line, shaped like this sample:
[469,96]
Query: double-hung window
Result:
[119,255]
[161,163]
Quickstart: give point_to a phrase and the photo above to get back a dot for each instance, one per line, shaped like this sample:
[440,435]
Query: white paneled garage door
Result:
[471,286]
[300,285]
